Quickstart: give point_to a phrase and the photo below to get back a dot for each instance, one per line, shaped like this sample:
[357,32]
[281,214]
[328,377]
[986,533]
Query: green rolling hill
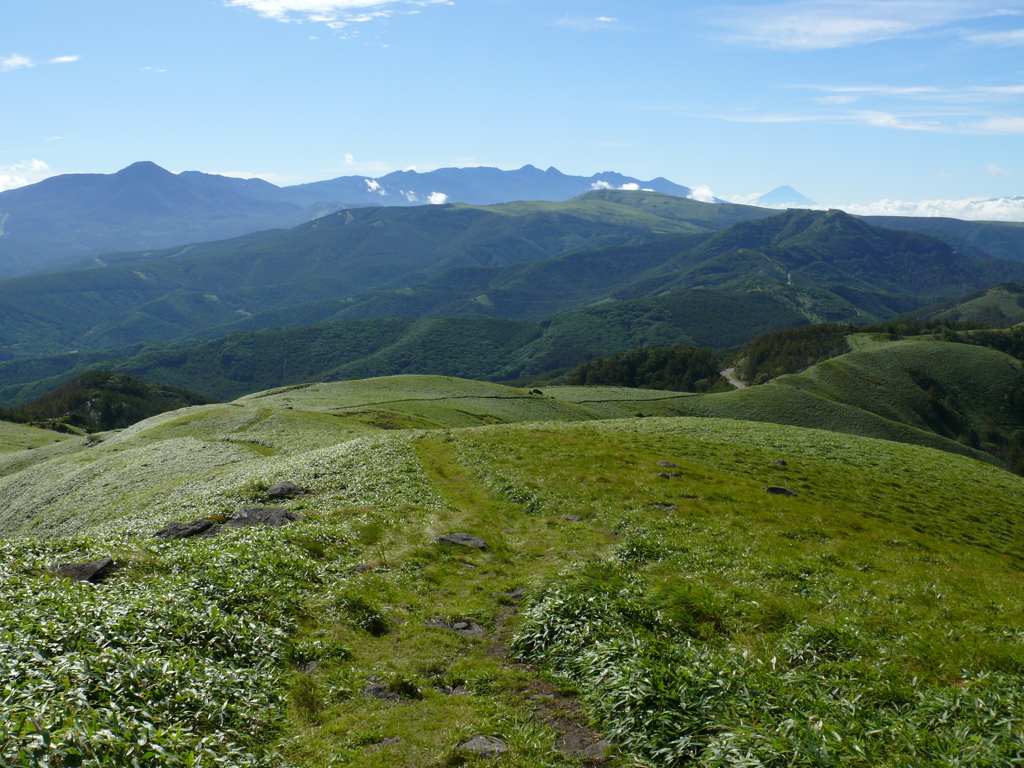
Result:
[639,583]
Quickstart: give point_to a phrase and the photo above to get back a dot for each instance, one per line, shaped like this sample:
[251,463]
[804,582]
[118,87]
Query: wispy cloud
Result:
[151,69]
[23,173]
[586,23]
[861,117]
[15,61]
[965,109]
[1001,125]
[821,24]
[1007,37]
[336,14]
[994,170]
[64,60]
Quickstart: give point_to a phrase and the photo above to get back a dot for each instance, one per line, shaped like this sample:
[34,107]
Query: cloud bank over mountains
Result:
[991,209]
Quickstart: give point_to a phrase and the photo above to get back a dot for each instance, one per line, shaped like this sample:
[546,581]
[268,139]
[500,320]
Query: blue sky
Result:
[848,102]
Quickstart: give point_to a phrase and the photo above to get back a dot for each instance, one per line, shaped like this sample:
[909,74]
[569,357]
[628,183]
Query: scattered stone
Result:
[543,697]
[515,595]
[307,668]
[675,474]
[464,628]
[262,516]
[663,476]
[285,490]
[485,747]
[205,528]
[666,507]
[536,392]
[462,540]
[597,751]
[511,530]
[389,741]
[668,464]
[454,690]
[778,490]
[94,571]
[380,691]
[690,496]
[781,463]
[572,518]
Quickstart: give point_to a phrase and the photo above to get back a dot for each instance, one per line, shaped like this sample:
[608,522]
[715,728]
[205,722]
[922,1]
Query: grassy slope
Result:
[17,437]
[923,586]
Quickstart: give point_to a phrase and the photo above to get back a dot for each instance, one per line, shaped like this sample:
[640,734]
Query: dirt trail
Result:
[729,374]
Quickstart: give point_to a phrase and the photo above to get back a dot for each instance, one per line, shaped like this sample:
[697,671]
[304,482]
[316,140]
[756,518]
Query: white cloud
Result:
[411,197]
[373,186]
[745,199]
[151,69]
[22,174]
[336,14]
[15,61]
[1006,38]
[630,187]
[437,198]
[974,209]
[994,170]
[1002,125]
[821,24]
[702,194]
[586,24]
[600,185]
[64,60]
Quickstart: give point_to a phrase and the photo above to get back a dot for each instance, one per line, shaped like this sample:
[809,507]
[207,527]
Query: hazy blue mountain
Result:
[477,186]
[141,206]
[783,197]
[144,206]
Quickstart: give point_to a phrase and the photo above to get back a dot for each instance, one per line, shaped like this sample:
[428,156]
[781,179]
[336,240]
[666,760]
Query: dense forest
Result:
[676,368]
[100,400]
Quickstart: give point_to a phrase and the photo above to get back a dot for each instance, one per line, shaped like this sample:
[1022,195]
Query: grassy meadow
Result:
[695,619]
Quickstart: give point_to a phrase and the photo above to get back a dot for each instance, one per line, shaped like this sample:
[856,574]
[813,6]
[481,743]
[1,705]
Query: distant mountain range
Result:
[143,206]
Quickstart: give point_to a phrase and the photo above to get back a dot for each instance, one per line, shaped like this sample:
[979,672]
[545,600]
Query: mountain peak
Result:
[143,168]
[783,197]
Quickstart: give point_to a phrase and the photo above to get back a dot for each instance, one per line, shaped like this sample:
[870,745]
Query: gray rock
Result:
[94,571]
[188,530]
[462,540]
[781,463]
[485,746]
[262,516]
[285,490]
[668,464]
[666,507]
[380,691]
[572,518]
[778,490]
[464,628]
[597,751]
[390,740]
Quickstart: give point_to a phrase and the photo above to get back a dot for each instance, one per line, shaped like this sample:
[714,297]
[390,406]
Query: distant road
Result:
[728,374]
